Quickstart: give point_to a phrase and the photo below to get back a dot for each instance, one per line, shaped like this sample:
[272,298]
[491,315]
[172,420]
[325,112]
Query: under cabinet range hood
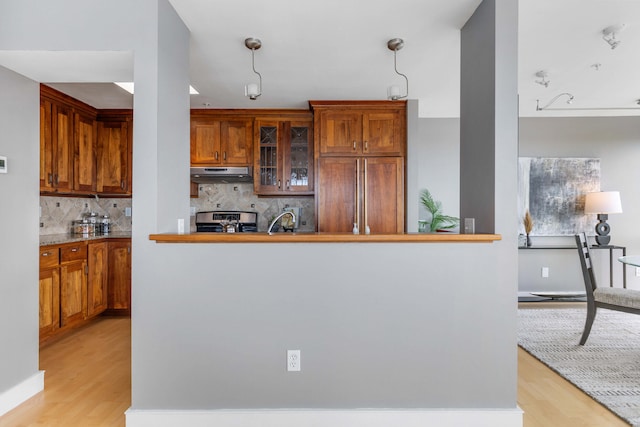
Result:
[221,174]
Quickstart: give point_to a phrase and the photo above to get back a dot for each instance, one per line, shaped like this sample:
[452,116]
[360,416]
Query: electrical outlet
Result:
[637,271]
[293,360]
[545,271]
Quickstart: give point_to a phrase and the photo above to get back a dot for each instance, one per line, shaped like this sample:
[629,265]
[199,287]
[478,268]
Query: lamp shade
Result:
[603,202]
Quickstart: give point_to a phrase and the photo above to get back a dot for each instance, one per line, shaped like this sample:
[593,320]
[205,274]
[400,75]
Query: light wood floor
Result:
[87,384]
[87,380]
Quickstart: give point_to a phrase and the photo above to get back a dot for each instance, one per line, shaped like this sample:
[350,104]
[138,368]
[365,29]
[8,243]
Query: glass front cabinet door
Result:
[283,157]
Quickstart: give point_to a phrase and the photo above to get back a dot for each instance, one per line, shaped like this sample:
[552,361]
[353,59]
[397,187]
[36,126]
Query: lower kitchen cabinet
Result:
[73,293]
[119,299]
[97,289]
[79,281]
[49,291]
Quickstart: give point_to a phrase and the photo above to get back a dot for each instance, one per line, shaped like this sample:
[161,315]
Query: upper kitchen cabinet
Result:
[218,137]
[56,145]
[360,128]
[284,155]
[84,159]
[114,148]
[83,151]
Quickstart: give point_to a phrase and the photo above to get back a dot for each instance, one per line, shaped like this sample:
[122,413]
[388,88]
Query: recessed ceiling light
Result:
[128,86]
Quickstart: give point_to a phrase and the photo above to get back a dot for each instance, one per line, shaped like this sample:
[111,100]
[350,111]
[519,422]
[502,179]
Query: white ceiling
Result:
[337,49]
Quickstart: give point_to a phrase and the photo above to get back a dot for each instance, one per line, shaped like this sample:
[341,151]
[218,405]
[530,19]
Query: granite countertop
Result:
[57,239]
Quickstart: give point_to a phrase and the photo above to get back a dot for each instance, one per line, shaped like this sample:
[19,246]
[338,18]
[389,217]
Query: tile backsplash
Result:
[58,212]
[240,197]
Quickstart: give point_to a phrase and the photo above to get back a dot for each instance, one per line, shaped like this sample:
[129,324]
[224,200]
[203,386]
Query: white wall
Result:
[19,191]
[616,142]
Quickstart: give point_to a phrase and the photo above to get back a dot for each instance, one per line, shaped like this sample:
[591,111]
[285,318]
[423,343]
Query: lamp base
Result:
[602,230]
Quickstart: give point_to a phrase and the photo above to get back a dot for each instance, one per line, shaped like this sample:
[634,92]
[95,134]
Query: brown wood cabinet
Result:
[62,288]
[115,135]
[56,146]
[97,281]
[365,191]
[283,156]
[83,151]
[79,281]
[49,292]
[119,267]
[73,284]
[220,138]
[361,164]
[375,128]
[84,160]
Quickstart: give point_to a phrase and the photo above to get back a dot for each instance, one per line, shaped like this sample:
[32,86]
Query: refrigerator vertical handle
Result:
[364,200]
[357,193]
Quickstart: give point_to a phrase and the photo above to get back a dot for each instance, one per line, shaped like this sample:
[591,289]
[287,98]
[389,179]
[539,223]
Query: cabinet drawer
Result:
[72,253]
[49,257]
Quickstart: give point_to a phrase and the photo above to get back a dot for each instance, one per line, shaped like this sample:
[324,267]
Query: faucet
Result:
[293,220]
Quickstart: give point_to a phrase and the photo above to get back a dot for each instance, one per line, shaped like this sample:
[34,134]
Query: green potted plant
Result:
[439,221]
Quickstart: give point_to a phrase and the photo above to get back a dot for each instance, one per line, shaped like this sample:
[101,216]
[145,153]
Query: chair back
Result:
[586,264]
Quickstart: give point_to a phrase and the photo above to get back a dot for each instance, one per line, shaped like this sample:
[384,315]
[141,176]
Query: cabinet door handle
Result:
[128,249]
[279,184]
[216,155]
[287,184]
[46,253]
[354,145]
[51,178]
[122,184]
[366,146]
[224,155]
[56,179]
[364,198]
[357,192]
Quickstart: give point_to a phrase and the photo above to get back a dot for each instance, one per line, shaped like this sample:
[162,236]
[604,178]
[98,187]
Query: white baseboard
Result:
[326,418]
[21,392]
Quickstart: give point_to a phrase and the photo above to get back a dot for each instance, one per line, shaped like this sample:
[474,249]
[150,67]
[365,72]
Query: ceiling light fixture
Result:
[570,100]
[546,107]
[252,90]
[609,35]
[543,78]
[393,92]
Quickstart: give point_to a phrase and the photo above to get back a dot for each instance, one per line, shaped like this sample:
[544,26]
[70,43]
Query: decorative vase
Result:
[528,241]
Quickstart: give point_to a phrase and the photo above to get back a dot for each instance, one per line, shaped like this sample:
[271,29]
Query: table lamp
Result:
[603,203]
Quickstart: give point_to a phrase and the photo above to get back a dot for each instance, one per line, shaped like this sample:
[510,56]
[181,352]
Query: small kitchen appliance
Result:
[227,222]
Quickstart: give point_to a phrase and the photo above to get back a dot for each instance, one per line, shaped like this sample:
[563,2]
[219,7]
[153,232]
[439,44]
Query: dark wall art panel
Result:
[553,190]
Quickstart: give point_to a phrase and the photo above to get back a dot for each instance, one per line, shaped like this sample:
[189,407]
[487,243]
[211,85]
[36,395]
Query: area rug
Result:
[607,367]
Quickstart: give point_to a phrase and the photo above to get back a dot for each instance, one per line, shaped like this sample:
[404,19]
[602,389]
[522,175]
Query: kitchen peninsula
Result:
[324,238]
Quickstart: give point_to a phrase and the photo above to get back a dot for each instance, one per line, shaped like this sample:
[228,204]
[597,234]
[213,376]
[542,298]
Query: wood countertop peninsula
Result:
[324,238]
[60,239]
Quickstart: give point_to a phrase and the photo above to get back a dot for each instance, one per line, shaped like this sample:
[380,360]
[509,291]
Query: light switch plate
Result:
[3,164]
